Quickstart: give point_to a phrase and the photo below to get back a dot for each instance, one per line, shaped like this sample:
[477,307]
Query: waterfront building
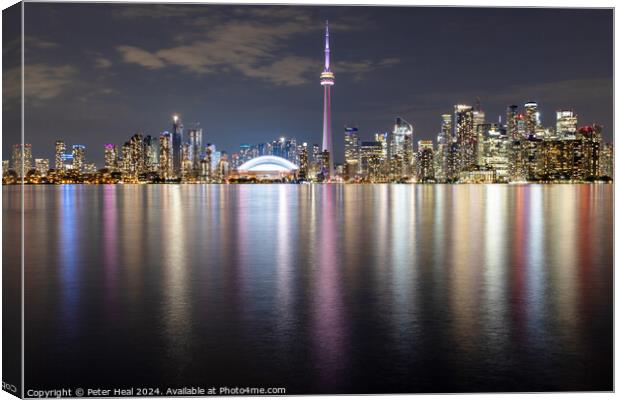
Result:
[566,124]
[562,160]
[606,162]
[5,167]
[303,161]
[372,160]
[194,137]
[324,164]
[177,144]
[351,151]
[532,117]
[223,166]
[151,151]
[246,152]
[166,167]
[42,165]
[511,122]
[110,157]
[591,137]
[186,161]
[59,150]
[444,141]
[496,151]
[79,157]
[400,150]
[465,136]
[327,81]
[22,159]
[424,163]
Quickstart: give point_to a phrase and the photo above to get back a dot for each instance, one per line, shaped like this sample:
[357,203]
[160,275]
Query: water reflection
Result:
[323,288]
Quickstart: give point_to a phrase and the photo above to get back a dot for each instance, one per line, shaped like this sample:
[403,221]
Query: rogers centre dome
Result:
[268,166]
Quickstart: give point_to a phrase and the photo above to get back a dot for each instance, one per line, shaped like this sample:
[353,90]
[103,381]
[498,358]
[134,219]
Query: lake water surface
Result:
[317,288]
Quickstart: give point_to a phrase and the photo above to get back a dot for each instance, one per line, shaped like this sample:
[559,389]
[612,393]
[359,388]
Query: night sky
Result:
[98,73]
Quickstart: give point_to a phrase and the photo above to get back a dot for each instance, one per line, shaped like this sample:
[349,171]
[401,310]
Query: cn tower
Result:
[327,81]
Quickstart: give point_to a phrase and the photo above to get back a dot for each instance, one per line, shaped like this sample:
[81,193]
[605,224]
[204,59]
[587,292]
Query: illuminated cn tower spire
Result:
[327,81]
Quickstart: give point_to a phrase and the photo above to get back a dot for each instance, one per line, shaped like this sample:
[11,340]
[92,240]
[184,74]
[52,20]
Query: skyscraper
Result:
[22,159]
[511,122]
[532,117]
[166,167]
[60,149]
[303,161]
[425,166]
[195,149]
[401,148]
[351,151]
[150,154]
[465,136]
[177,144]
[110,155]
[566,124]
[327,81]
[79,156]
[42,165]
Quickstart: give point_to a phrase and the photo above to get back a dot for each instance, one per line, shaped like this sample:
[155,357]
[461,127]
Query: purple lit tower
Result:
[327,81]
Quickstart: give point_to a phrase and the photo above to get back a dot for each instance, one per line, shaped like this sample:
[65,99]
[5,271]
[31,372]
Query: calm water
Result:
[319,289]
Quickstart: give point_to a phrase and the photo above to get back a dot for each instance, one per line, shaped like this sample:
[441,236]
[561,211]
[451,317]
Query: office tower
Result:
[351,151]
[234,161]
[372,159]
[327,81]
[566,124]
[136,162]
[151,151]
[496,151]
[22,159]
[465,136]
[60,149]
[5,167]
[186,162]
[444,141]
[289,150]
[177,144]
[223,166]
[245,153]
[79,157]
[126,164]
[562,160]
[532,117]
[42,165]
[207,163]
[606,162]
[277,147]
[166,166]
[511,122]
[303,161]
[400,149]
[532,150]
[194,137]
[591,137]
[479,129]
[262,149]
[110,157]
[425,169]
[324,164]
[315,153]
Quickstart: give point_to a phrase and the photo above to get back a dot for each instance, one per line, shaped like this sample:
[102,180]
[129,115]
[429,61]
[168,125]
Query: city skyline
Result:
[276,93]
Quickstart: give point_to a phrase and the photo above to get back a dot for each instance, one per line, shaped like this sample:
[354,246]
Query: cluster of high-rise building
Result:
[469,149]
[177,155]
